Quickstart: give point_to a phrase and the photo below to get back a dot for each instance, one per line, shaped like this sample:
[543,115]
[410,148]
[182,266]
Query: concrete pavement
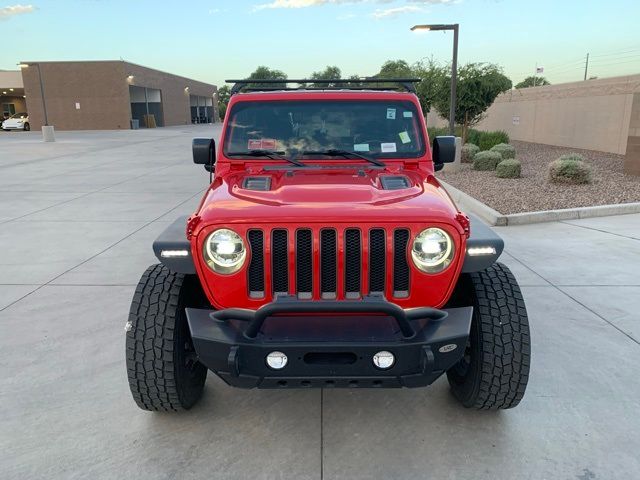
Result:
[77,219]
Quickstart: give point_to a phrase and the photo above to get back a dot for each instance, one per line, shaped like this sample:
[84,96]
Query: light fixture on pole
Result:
[454,66]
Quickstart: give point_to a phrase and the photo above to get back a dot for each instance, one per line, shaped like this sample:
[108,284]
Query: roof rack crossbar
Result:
[407,84]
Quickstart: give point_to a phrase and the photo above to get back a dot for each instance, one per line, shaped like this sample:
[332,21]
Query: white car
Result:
[18,121]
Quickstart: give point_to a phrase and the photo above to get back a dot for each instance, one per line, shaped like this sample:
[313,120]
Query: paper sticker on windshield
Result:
[404,137]
[391,113]
[388,147]
[268,144]
[262,144]
[407,114]
[361,147]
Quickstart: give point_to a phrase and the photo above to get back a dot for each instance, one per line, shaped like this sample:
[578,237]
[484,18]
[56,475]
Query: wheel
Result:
[27,127]
[162,366]
[494,371]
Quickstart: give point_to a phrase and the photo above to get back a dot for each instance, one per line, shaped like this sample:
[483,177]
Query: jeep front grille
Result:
[328,263]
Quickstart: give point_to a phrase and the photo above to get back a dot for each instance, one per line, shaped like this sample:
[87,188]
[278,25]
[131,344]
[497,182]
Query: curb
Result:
[495,218]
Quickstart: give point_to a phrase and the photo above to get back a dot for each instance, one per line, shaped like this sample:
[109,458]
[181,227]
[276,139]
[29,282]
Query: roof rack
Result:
[250,84]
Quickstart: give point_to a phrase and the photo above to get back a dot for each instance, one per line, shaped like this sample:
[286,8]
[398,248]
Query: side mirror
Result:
[204,151]
[444,151]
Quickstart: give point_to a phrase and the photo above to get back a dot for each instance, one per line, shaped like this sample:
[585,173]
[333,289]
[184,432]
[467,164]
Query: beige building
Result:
[108,95]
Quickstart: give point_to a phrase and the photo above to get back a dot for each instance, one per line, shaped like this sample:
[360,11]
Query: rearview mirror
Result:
[204,151]
[444,151]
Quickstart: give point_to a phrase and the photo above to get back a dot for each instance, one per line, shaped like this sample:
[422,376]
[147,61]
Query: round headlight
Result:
[224,251]
[432,250]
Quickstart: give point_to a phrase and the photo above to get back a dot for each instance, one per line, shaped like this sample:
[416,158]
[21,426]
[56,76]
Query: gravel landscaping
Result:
[533,191]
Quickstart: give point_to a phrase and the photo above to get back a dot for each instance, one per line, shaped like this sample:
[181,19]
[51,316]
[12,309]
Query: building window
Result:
[8,109]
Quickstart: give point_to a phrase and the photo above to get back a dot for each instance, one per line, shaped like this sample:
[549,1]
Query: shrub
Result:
[504,149]
[437,131]
[570,169]
[488,140]
[508,168]
[486,160]
[469,151]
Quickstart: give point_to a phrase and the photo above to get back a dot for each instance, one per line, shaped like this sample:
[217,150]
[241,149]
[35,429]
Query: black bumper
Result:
[329,343]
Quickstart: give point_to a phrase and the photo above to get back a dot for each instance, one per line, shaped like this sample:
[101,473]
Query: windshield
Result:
[382,129]
[18,115]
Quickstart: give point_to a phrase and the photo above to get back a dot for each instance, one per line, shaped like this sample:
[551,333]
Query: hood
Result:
[326,195]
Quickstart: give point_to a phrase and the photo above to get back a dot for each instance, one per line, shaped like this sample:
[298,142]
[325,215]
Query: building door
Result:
[201,109]
[146,101]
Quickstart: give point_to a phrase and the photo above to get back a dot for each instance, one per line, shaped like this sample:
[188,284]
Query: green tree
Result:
[432,75]
[533,81]
[224,94]
[429,71]
[329,73]
[265,73]
[478,86]
[395,69]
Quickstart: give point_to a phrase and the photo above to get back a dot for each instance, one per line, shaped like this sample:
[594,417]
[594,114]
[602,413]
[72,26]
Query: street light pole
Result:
[454,81]
[454,67]
[44,103]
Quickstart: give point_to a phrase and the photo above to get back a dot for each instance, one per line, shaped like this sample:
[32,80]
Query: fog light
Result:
[384,360]
[277,360]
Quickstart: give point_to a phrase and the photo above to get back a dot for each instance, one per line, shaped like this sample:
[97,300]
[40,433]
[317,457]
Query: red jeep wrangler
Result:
[325,253]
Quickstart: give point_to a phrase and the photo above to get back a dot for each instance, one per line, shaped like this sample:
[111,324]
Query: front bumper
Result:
[329,343]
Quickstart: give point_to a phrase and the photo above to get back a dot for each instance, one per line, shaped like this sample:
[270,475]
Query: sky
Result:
[219,39]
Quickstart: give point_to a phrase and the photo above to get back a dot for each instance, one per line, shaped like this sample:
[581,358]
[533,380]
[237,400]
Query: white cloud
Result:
[392,12]
[316,3]
[347,16]
[13,10]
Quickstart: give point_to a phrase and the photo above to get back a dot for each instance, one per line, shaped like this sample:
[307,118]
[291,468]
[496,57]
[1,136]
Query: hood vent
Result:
[261,184]
[394,182]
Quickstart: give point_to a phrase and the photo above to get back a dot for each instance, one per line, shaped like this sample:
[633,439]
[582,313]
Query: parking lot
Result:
[77,219]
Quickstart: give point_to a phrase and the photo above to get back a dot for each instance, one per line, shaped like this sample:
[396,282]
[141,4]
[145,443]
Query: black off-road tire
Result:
[495,369]
[162,367]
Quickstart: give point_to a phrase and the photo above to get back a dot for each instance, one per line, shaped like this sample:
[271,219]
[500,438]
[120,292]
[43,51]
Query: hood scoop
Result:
[394,182]
[259,184]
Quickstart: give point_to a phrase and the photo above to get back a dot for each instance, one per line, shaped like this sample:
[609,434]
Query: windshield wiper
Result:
[265,153]
[334,152]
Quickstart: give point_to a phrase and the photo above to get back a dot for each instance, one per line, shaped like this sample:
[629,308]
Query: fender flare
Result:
[171,241]
[481,236]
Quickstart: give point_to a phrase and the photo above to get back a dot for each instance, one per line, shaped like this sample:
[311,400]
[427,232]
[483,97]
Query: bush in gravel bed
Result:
[504,149]
[469,150]
[486,160]
[487,140]
[570,169]
[508,168]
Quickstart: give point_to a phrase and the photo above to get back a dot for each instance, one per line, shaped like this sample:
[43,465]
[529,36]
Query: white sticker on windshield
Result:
[407,114]
[404,137]
[391,113]
[361,147]
[388,147]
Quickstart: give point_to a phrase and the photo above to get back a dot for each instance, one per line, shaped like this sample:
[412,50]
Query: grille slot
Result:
[400,264]
[256,267]
[328,264]
[304,264]
[377,260]
[279,262]
[352,262]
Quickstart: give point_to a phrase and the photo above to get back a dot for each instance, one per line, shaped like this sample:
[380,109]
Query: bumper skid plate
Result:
[329,343]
